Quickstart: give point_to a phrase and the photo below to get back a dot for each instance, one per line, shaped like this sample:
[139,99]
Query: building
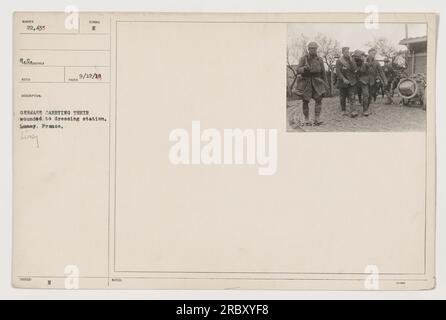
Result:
[416,56]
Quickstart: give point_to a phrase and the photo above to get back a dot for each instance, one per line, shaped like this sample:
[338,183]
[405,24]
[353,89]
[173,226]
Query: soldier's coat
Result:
[376,72]
[312,82]
[346,70]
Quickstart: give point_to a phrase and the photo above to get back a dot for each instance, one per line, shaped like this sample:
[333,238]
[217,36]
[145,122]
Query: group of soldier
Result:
[357,74]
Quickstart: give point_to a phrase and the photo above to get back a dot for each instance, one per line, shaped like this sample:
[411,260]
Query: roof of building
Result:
[413,40]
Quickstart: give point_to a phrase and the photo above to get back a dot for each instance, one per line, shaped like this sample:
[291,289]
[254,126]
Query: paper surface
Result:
[125,176]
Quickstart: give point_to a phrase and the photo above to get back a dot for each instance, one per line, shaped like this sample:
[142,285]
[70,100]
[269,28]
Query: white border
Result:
[7,9]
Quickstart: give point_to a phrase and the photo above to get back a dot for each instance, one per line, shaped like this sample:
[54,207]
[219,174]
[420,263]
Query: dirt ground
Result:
[394,117]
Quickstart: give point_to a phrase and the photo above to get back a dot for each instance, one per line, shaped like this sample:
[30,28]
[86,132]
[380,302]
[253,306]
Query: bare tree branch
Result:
[329,50]
[388,49]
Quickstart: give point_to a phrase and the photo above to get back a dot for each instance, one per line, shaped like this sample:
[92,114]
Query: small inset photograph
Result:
[350,77]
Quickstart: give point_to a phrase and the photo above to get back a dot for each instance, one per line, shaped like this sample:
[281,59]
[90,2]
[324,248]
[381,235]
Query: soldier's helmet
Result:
[358,54]
[386,60]
[313,45]
[372,50]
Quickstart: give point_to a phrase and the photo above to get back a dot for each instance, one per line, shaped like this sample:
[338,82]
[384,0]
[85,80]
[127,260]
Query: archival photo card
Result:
[224,151]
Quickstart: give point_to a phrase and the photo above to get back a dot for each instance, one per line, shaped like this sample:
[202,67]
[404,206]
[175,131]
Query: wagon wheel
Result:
[406,98]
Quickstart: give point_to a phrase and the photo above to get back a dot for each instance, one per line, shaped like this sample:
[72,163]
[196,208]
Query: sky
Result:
[355,35]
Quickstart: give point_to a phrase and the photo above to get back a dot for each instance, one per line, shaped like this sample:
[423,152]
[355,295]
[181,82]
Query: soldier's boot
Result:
[353,112]
[365,107]
[317,113]
[344,110]
[389,99]
[306,112]
[352,106]
[343,105]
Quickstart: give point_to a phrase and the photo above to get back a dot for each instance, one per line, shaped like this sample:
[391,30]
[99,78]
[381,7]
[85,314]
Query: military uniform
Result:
[311,83]
[375,73]
[346,80]
[390,75]
[365,77]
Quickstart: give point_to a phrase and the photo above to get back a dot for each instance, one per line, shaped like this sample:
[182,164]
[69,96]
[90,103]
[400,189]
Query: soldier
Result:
[358,87]
[376,73]
[312,83]
[346,75]
[379,89]
[364,75]
[390,76]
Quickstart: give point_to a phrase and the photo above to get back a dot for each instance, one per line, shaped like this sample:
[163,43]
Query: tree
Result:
[297,47]
[389,50]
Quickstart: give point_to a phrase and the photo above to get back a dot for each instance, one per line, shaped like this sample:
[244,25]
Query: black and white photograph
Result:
[354,77]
